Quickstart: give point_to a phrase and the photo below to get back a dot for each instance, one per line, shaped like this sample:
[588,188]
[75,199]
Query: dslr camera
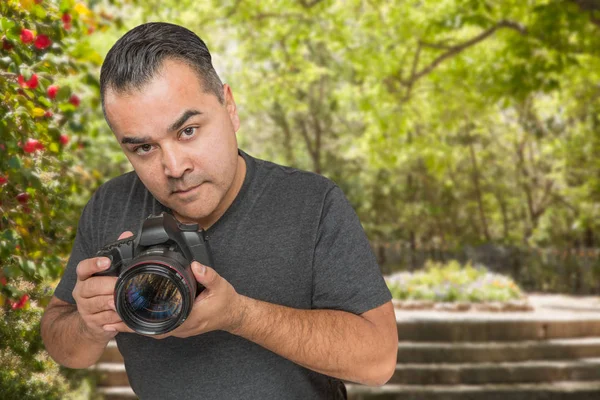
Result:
[156,288]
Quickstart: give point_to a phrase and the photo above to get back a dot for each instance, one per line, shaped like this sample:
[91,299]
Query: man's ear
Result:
[231,107]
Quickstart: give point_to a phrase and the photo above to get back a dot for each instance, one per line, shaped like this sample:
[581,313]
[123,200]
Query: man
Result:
[294,302]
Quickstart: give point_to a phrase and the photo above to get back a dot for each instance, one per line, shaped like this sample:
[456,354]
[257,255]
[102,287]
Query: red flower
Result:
[3,180]
[42,41]
[21,303]
[26,36]
[74,99]
[32,145]
[30,84]
[23,197]
[48,114]
[66,18]
[3,281]
[52,91]
[67,26]
[64,139]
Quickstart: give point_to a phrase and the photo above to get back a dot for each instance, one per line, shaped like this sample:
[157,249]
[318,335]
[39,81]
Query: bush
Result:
[453,282]
[46,71]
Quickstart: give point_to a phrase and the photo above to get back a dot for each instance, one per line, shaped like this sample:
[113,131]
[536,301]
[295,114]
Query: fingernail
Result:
[103,262]
[200,269]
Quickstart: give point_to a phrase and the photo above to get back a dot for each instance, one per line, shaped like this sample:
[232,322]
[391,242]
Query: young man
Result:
[294,302]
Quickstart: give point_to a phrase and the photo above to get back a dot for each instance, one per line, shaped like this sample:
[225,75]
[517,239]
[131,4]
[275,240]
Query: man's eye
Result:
[143,149]
[188,132]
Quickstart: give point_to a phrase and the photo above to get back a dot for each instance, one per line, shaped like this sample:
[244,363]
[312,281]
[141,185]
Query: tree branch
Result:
[233,9]
[438,46]
[454,50]
[296,16]
[309,4]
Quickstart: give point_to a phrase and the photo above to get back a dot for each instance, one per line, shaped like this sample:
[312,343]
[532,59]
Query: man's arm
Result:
[358,348]
[67,338]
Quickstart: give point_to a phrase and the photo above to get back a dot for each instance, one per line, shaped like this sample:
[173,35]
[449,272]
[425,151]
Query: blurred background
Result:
[464,130]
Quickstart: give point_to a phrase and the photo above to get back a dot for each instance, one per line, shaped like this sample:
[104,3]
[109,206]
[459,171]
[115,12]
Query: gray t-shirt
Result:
[290,237]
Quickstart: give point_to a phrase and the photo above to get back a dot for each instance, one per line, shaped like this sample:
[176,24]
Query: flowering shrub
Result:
[46,70]
[453,282]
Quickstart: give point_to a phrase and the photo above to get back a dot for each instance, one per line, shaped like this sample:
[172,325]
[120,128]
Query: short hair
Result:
[137,56]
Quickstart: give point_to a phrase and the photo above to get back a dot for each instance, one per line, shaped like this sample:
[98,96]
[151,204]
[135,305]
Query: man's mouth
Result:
[187,190]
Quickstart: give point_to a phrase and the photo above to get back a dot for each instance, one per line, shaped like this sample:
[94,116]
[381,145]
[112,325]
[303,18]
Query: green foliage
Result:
[453,282]
[27,371]
[445,122]
[47,71]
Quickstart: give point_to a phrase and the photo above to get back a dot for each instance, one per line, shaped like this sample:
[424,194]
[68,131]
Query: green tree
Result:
[447,123]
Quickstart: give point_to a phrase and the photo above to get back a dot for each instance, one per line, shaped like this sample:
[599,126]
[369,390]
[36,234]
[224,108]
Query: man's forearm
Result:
[334,343]
[67,340]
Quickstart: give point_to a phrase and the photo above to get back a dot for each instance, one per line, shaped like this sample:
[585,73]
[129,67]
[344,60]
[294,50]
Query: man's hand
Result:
[218,307]
[94,296]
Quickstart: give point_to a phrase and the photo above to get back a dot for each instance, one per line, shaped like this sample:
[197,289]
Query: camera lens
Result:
[153,297]
[156,294]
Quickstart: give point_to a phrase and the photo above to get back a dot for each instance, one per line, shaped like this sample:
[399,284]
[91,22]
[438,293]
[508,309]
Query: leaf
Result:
[14,163]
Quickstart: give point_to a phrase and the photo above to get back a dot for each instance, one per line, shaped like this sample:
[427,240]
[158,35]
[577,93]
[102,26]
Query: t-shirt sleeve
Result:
[80,251]
[345,271]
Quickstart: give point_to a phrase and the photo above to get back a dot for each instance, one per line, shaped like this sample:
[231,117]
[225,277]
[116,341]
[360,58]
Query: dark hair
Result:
[136,57]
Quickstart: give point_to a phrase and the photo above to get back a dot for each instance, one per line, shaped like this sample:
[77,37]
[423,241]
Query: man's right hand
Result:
[94,298]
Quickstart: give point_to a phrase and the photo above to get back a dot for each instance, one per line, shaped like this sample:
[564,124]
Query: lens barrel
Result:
[155,294]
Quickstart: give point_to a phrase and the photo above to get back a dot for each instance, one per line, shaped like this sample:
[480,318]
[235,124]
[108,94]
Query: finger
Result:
[205,275]
[118,327]
[125,234]
[105,318]
[97,286]
[90,266]
[97,304]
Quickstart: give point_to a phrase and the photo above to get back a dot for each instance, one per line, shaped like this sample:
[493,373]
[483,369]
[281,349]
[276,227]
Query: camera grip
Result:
[117,252]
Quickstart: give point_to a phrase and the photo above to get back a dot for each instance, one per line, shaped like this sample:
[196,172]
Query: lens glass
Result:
[152,297]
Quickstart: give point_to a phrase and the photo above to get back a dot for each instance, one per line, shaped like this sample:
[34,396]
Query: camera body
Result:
[156,287]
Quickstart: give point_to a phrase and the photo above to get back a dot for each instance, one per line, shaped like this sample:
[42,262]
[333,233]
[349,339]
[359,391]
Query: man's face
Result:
[180,141]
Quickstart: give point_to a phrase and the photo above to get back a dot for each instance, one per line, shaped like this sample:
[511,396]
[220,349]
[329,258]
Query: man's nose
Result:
[175,162]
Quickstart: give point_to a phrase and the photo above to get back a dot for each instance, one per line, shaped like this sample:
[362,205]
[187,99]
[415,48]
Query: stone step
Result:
[459,352]
[468,352]
[116,393]
[488,327]
[110,374]
[586,369]
[543,391]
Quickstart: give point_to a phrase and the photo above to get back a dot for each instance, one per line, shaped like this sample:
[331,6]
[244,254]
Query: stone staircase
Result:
[549,354]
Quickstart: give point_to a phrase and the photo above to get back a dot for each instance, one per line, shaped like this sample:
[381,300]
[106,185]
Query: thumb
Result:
[125,234]
[207,276]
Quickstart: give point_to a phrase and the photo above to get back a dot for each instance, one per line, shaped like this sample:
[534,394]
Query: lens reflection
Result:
[152,297]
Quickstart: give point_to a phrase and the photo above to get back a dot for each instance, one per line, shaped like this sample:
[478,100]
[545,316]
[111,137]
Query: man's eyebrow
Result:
[181,120]
[136,140]
[174,126]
